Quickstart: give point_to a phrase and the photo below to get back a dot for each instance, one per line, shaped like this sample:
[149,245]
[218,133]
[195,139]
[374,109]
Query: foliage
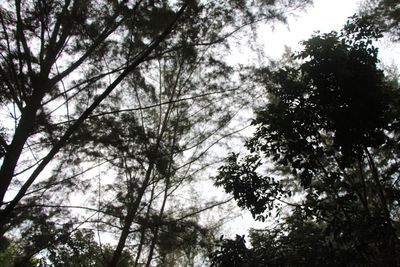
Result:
[232,253]
[383,13]
[298,241]
[10,253]
[81,249]
[251,190]
[181,241]
[328,127]
[139,90]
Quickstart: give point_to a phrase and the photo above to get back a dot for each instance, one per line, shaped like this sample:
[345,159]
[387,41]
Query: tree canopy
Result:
[116,104]
[330,130]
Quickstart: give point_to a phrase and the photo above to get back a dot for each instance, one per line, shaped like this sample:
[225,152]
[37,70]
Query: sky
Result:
[323,16]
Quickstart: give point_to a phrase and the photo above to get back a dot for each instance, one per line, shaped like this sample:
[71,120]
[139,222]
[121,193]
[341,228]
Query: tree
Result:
[142,149]
[102,55]
[80,39]
[330,129]
[33,75]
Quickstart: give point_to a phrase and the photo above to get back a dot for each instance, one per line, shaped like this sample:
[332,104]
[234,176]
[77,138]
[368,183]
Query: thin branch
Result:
[169,102]
[203,209]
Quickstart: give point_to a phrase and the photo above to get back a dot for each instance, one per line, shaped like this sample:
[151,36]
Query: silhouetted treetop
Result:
[327,135]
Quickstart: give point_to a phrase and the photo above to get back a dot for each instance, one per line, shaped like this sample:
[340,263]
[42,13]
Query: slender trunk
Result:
[167,180]
[363,197]
[390,255]
[25,127]
[40,85]
[130,217]
[143,230]
[379,187]
[155,237]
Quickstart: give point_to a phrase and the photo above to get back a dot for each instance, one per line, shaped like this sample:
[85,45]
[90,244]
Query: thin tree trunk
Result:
[390,255]
[363,199]
[14,150]
[378,184]
[143,230]
[155,237]
[130,217]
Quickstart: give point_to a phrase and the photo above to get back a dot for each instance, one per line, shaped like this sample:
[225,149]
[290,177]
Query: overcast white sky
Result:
[324,16]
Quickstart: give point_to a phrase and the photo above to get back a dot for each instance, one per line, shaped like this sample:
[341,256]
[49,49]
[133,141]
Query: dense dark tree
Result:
[330,130]
[232,253]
